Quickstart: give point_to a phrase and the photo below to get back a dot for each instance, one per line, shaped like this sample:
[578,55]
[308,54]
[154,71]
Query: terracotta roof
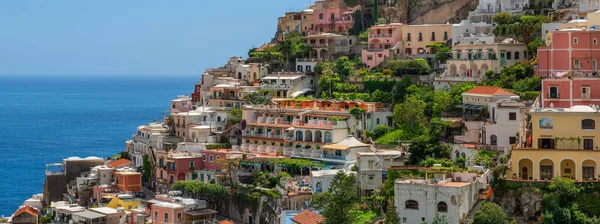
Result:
[27,209]
[119,162]
[225,222]
[489,90]
[308,217]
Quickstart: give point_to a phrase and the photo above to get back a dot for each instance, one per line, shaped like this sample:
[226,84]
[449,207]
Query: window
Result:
[585,92]
[575,40]
[192,164]
[432,36]
[371,162]
[377,121]
[588,124]
[577,64]
[321,16]
[309,69]
[553,94]
[442,207]
[588,144]
[594,65]
[445,35]
[156,216]
[299,68]
[203,157]
[517,56]
[179,216]
[546,172]
[512,140]
[371,180]
[218,157]
[173,105]
[210,158]
[512,116]
[508,56]
[166,217]
[369,58]
[458,56]
[595,41]
[408,37]
[420,36]
[411,204]
[479,56]
[494,140]
[403,219]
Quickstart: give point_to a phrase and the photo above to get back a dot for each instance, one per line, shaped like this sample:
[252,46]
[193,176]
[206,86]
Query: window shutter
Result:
[540,143]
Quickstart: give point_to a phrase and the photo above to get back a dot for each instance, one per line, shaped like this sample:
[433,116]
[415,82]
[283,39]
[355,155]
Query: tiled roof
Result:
[27,209]
[225,222]
[489,90]
[119,162]
[308,217]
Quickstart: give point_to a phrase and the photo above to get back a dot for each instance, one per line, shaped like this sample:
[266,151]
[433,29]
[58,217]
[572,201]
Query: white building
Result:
[321,179]
[147,136]
[372,166]
[472,32]
[487,8]
[453,196]
[286,85]
[344,152]
[306,64]
[504,124]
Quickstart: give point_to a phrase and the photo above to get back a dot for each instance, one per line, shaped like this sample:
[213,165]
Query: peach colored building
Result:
[128,180]
[419,36]
[382,40]
[166,213]
[573,52]
[332,16]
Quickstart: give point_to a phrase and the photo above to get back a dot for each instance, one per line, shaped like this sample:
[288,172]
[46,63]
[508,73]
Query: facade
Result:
[128,180]
[487,8]
[578,46]
[306,64]
[384,41]
[332,16]
[417,37]
[288,85]
[567,92]
[483,95]
[420,200]
[148,137]
[113,216]
[563,143]
[470,62]
[321,179]
[328,46]
[288,127]
[373,166]
[502,129]
[26,215]
[467,32]
[88,217]
[166,212]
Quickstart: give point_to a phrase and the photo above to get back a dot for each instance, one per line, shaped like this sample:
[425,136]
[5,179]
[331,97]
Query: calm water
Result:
[43,120]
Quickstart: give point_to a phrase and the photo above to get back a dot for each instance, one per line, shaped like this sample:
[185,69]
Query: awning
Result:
[298,93]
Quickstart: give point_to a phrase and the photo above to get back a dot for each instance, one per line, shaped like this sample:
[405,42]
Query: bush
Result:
[219,146]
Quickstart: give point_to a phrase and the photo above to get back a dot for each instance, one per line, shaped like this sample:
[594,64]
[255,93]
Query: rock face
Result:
[526,202]
[428,11]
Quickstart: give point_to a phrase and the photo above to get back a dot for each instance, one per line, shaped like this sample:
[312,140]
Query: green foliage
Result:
[410,113]
[510,75]
[381,96]
[491,213]
[294,46]
[391,217]
[357,112]
[440,219]
[561,205]
[255,98]
[146,169]
[534,44]
[345,66]
[524,27]
[419,64]
[461,162]
[234,116]
[485,158]
[431,161]
[212,193]
[339,200]
[352,96]
[441,51]
[47,219]
[346,88]
[392,137]
[363,216]
[381,130]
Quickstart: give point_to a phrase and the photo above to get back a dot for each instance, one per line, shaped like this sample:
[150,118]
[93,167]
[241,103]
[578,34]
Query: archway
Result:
[588,170]
[462,70]
[323,54]
[328,137]
[318,137]
[308,135]
[314,54]
[484,68]
[475,71]
[546,169]
[525,169]
[567,169]
[375,45]
[299,136]
[181,176]
[453,70]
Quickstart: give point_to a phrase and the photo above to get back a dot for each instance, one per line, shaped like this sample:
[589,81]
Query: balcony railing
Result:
[381,35]
[339,157]
[281,87]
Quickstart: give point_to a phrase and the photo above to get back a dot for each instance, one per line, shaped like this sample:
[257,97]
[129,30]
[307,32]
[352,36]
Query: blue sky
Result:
[132,37]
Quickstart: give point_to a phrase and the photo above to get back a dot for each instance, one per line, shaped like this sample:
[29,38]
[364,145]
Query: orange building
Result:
[26,214]
[128,180]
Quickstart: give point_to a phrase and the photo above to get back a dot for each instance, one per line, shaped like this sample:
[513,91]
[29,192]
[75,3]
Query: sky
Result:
[132,37]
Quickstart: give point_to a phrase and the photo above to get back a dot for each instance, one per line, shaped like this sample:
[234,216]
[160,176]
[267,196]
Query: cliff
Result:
[429,11]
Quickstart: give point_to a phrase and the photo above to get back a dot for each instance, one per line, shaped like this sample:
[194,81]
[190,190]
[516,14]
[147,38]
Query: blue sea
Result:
[46,119]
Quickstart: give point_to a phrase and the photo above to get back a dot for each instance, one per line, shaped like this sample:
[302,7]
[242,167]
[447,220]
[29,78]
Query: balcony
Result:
[338,157]
[381,35]
[308,59]
[276,87]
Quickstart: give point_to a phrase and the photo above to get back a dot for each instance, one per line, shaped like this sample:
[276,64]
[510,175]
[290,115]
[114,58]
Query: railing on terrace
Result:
[381,35]
[283,87]
[328,156]
[309,59]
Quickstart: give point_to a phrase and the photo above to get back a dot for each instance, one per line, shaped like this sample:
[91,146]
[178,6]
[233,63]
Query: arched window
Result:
[192,164]
[442,207]
[210,158]
[203,157]
[588,124]
[328,137]
[321,16]
[575,40]
[508,56]
[595,41]
[517,55]
[377,121]
[218,157]
[239,75]
[411,204]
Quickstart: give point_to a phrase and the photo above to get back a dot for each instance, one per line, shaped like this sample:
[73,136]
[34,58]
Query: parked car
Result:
[140,195]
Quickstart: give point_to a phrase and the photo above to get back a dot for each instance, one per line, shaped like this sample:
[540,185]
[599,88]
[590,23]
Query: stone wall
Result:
[524,202]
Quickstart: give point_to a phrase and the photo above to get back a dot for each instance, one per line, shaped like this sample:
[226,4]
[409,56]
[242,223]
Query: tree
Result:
[328,80]
[491,213]
[47,219]
[442,103]
[381,96]
[146,169]
[213,194]
[339,200]
[391,217]
[401,89]
[234,116]
[344,66]
[229,165]
[410,113]
[440,219]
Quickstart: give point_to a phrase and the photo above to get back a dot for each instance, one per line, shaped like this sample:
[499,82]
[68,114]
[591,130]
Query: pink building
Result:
[382,39]
[573,52]
[568,92]
[332,16]
[166,212]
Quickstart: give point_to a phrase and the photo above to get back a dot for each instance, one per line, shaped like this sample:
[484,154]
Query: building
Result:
[113,216]
[468,32]
[286,85]
[372,168]
[384,42]
[332,16]
[451,195]
[62,211]
[502,129]
[419,36]
[488,8]
[578,46]
[321,179]
[120,163]
[128,180]
[58,175]
[470,62]
[565,92]
[329,46]
[26,215]
[125,201]
[300,128]
[88,217]
[148,137]
[166,212]
[563,143]
[307,217]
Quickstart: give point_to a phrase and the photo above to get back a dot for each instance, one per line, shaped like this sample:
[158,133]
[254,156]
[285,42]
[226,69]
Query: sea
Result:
[44,119]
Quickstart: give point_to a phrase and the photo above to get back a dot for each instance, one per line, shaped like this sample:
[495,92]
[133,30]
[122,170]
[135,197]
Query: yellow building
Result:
[564,143]
[125,201]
